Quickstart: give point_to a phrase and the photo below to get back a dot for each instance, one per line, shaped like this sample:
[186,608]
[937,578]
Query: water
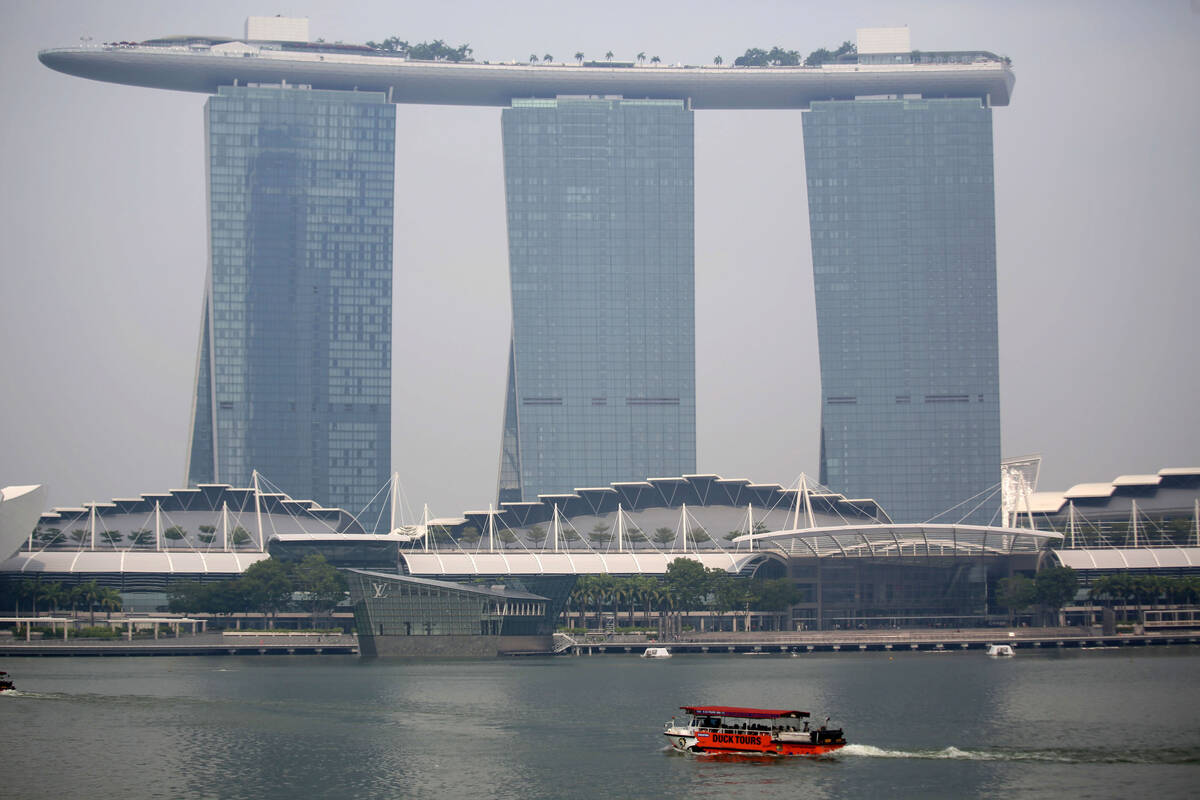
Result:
[1055,724]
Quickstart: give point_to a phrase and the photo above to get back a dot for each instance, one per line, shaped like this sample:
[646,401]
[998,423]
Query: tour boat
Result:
[1000,650]
[6,683]
[656,652]
[728,729]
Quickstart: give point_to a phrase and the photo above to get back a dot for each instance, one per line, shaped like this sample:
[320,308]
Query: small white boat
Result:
[1000,650]
[656,652]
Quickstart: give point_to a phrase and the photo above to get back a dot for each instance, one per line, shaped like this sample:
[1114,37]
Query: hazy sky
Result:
[102,238]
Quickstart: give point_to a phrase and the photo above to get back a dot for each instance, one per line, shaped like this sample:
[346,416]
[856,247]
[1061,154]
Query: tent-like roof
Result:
[132,561]
[866,541]
[562,562]
[1115,558]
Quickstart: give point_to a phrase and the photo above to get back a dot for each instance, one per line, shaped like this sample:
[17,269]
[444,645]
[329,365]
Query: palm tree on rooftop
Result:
[608,56]
[718,61]
[579,57]
[532,58]
[641,57]
[655,60]
[546,59]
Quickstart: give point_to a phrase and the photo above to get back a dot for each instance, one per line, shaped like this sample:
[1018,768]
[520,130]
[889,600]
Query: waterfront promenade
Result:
[753,643]
[233,643]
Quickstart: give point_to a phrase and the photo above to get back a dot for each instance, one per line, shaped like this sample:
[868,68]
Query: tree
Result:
[641,58]
[268,586]
[689,581]
[324,586]
[635,535]
[698,535]
[546,59]
[777,595]
[175,533]
[141,537]
[506,536]
[207,533]
[29,589]
[823,56]
[110,600]
[718,61]
[111,538]
[663,536]
[537,534]
[569,535]
[52,594]
[600,534]
[1016,594]
[79,534]
[579,57]
[240,536]
[469,536]
[655,60]
[533,59]
[90,594]
[608,56]
[1055,587]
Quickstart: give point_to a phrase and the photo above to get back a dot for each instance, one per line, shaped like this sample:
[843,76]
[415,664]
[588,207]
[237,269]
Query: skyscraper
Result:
[294,369]
[901,207]
[601,377]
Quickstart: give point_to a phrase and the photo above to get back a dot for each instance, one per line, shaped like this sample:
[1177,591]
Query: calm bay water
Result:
[1101,723]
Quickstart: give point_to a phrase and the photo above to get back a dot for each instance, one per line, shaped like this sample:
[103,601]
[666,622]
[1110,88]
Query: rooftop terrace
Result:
[202,63]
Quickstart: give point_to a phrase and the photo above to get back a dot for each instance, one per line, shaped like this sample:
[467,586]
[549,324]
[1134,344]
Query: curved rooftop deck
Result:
[203,66]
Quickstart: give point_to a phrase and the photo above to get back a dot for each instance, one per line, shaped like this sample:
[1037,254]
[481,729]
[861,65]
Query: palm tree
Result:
[79,534]
[655,60]
[533,59]
[110,600]
[52,593]
[29,588]
[546,59]
[718,61]
[175,533]
[641,58]
[90,593]
[111,538]
[579,57]
[608,56]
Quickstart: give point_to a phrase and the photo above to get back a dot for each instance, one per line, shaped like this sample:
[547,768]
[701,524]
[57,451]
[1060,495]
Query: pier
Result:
[231,643]
[1025,639]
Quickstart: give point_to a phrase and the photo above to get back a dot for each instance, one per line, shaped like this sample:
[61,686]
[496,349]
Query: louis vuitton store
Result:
[408,617]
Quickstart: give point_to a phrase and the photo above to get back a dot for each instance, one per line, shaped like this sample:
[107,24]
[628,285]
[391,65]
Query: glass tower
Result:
[902,213]
[601,373]
[293,377]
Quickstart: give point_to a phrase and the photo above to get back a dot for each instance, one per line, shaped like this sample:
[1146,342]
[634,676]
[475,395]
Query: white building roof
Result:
[1091,559]
[132,561]
[564,562]
[909,540]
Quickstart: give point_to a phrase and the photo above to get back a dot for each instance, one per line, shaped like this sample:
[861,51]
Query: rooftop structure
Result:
[202,63]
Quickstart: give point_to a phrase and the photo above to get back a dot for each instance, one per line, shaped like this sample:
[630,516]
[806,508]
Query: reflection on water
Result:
[1053,724]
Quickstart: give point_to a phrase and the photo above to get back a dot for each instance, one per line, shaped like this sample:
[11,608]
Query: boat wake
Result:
[1064,756]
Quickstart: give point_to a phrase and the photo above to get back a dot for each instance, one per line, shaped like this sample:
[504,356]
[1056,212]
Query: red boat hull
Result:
[713,743]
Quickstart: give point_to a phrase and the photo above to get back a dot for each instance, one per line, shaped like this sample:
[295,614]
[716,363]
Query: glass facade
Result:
[902,213]
[294,368]
[601,380]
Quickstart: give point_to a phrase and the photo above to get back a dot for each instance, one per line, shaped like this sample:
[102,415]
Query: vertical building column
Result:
[294,366]
[902,213]
[600,205]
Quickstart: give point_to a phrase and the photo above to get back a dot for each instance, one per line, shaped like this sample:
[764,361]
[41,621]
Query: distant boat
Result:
[656,652]
[6,684]
[1000,650]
